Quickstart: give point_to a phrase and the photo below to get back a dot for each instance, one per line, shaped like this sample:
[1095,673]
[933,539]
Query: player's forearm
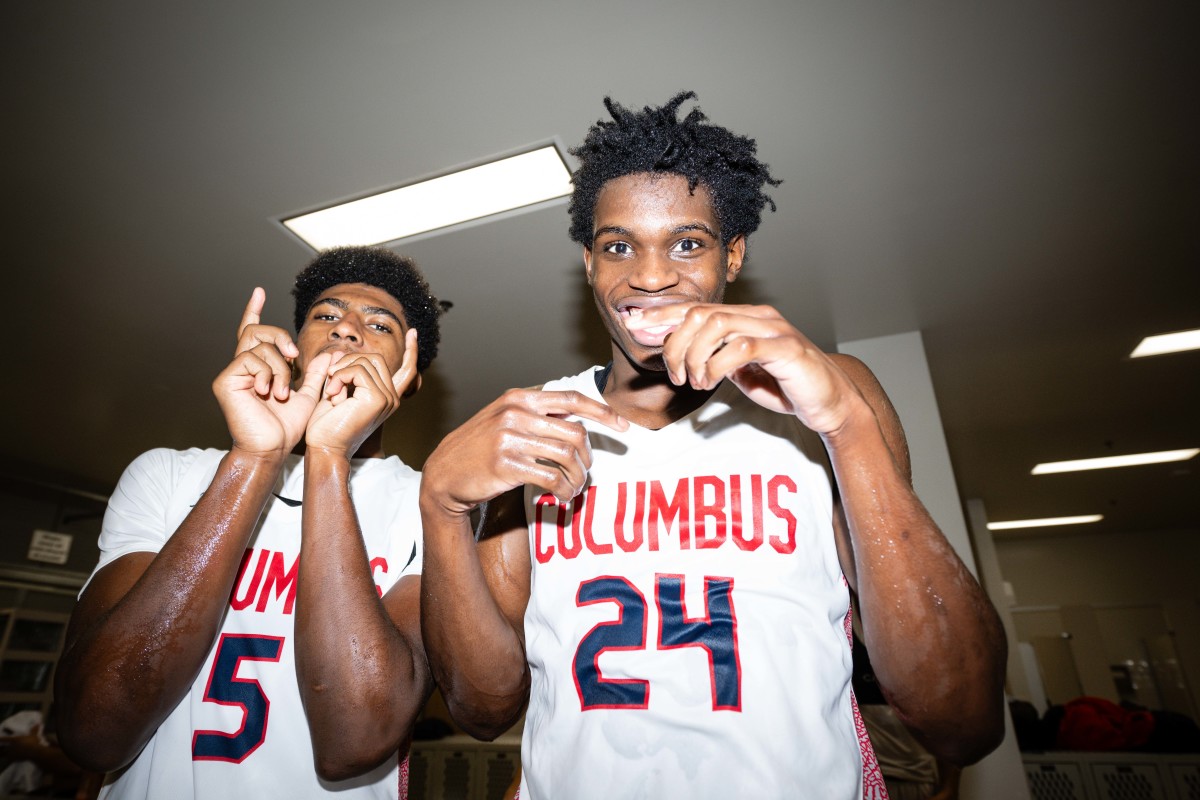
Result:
[130,663]
[934,638]
[361,683]
[477,658]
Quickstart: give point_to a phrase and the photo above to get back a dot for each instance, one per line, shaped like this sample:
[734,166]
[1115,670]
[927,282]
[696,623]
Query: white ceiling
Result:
[1017,180]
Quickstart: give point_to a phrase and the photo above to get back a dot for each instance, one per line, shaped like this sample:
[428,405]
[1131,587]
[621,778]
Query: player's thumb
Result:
[314,377]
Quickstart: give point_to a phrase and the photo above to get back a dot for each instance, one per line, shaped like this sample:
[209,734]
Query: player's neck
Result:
[646,397]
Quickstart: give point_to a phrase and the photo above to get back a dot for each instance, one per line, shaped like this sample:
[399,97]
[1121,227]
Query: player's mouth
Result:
[631,314]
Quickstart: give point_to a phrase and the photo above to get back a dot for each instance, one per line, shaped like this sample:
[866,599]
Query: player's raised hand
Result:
[360,393]
[774,364]
[272,344]
[525,436]
[263,417]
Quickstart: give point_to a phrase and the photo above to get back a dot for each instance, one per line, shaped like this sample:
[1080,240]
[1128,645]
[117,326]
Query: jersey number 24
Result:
[714,631]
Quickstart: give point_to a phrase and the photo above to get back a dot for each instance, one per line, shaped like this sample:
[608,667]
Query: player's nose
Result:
[654,272]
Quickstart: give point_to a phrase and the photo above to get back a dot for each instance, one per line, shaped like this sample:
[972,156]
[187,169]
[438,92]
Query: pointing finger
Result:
[253,313]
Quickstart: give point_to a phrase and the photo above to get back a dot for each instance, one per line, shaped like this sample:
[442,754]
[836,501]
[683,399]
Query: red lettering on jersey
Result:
[660,509]
[571,550]
[754,538]
[378,563]
[250,591]
[280,580]
[627,544]
[592,545]
[543,555]
[785,545]
[703,510]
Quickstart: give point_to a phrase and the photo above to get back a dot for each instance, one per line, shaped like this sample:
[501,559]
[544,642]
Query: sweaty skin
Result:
[146,622]
[658,269]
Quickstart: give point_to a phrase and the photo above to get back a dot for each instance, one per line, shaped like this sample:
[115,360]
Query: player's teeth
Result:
[657,329]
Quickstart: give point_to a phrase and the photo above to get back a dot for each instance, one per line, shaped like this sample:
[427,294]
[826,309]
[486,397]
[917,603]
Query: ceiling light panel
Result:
[1110,462]
[1167,343]
[1043,523]
[519,181]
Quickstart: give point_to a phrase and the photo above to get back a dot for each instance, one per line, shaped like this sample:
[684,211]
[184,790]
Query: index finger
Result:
[657,316]
[253,313]
[570,403]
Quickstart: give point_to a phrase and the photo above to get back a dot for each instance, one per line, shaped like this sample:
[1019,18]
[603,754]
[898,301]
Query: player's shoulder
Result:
[168,463]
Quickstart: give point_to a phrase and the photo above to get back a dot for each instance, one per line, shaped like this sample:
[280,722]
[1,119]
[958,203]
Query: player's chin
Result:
[645,359]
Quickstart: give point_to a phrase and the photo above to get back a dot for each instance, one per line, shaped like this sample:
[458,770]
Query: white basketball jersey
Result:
[687,625]
[241,731]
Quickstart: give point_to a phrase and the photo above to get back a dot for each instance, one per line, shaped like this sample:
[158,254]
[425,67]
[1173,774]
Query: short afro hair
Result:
[395,274]
[654,140]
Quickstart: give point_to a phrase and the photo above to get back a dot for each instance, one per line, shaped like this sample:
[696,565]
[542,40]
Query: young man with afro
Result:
[670,543]
[252,628]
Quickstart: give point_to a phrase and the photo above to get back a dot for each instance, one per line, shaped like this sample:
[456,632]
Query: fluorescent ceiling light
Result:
[1108,462]
[470,194]
[1167,343]
[1043,523]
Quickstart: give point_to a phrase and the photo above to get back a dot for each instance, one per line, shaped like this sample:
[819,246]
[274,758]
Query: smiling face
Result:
[353,318]
[654,243]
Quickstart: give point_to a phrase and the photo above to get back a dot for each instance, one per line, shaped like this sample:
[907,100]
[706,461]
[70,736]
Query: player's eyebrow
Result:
[383,311]
[612,229]
[694,226]
[342,305]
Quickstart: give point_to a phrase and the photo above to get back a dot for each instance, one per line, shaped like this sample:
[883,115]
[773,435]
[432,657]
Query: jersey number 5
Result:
[715,632]
[225,688]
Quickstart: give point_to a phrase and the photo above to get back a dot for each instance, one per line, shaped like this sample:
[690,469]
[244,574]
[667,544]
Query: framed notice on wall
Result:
[50,547]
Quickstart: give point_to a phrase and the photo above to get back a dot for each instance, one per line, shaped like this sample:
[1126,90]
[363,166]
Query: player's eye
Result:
[324,317]
[618,248]
[687,246]
[381,327]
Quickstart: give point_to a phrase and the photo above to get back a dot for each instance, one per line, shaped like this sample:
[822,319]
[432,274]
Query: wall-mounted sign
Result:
[50,547]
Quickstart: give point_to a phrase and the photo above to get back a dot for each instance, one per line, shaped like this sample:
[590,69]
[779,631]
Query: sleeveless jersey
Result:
[241,731]
[687,628]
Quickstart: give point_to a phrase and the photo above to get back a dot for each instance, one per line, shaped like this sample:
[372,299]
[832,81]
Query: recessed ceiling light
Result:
[516,182]
[1043,523]
[1167,343]
[1108,462]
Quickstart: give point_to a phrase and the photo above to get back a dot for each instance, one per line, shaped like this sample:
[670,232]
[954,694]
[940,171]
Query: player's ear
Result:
[735,255]
[414,386]
[587,263]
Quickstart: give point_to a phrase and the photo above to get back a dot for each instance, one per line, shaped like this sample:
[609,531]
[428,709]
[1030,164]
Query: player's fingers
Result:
[571,403]
[281,368]
[689,351]
[364,370]
[257,370]
[552,464]
[254,335]
[253,313]
[314,377]
[404,376]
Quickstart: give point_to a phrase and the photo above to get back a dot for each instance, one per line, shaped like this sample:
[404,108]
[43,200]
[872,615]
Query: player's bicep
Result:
[105,590]
[504,556]
[402,603]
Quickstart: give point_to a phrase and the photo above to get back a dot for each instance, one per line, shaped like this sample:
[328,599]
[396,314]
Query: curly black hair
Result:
[654,140]
[395,274]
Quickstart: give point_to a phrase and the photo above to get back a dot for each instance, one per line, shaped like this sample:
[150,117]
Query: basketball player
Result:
[670,542]
[238,590]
